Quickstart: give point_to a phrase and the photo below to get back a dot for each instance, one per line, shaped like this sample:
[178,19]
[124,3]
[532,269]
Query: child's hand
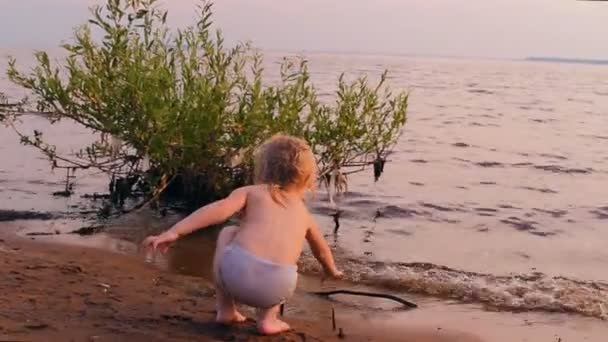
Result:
[334,274]
[337,274]
[162,241]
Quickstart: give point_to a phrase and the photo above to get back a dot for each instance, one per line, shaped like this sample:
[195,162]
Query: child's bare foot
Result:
[272,327]
[229,317]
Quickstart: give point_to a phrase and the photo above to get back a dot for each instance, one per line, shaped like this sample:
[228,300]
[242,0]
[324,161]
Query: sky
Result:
[474,28]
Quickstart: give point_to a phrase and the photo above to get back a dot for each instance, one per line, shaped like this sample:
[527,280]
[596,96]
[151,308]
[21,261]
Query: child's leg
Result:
[268,323]
[226,309]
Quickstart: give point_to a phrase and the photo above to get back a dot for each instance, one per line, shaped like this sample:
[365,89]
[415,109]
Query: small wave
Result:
[519,224]
[477,124]
[530,227]
[508,206]
[364,203]
[419,161]
[518,292]
[601,213]
[393,211]
[487,183]
[571,99]
[541,190]
[400,232]
[460,144]
[544,167]
[357,194]
[594,136]
[43,182]
[486,212]
[489,164]
[561,169]
[440,207]
[555,213]
[554,156]
[539,120]
[481,91]
[23,191]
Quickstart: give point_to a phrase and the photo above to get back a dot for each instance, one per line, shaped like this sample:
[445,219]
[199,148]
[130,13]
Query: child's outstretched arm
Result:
[214,213]
[321,251]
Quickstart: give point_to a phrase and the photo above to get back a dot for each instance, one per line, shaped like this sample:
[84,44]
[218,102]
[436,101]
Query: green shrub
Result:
[181,108]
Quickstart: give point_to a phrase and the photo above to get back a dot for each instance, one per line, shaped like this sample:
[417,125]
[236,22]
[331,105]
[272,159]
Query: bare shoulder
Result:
[252,189]
[244,190]
[249,192]
[241,194]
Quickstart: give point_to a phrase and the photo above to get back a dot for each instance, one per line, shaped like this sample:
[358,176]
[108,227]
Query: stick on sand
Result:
[407,303]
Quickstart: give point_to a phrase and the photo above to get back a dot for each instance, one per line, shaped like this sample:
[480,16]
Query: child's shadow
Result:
[245,331]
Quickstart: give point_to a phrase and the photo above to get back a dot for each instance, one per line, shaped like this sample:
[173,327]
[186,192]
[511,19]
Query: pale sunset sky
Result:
[479,28]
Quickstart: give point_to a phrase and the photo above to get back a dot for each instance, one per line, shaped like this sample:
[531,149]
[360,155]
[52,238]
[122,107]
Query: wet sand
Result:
[54,292]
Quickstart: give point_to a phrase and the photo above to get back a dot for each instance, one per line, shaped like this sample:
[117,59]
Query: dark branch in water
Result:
[8,105]
[378,168]
[336,217]
[407,303]
[67,192]
[333,319]
[88,230]
[377,215]
[155,196]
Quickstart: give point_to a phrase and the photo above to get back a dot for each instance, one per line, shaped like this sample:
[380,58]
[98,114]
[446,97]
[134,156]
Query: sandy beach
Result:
[54,292]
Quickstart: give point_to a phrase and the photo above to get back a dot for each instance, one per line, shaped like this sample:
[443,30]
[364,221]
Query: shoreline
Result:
[187,303]
[59,292]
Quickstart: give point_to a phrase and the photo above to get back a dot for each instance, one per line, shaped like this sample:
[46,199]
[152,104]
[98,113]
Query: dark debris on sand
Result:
[14,215]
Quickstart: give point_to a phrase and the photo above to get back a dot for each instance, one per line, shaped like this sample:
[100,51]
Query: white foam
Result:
[517,292]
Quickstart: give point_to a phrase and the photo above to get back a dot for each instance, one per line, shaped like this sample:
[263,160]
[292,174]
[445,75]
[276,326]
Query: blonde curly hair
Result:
[285,163]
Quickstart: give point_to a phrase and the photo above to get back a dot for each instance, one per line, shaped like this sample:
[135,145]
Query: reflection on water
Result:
[194,256]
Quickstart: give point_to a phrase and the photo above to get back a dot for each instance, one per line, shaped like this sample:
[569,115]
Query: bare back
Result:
[273,231]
